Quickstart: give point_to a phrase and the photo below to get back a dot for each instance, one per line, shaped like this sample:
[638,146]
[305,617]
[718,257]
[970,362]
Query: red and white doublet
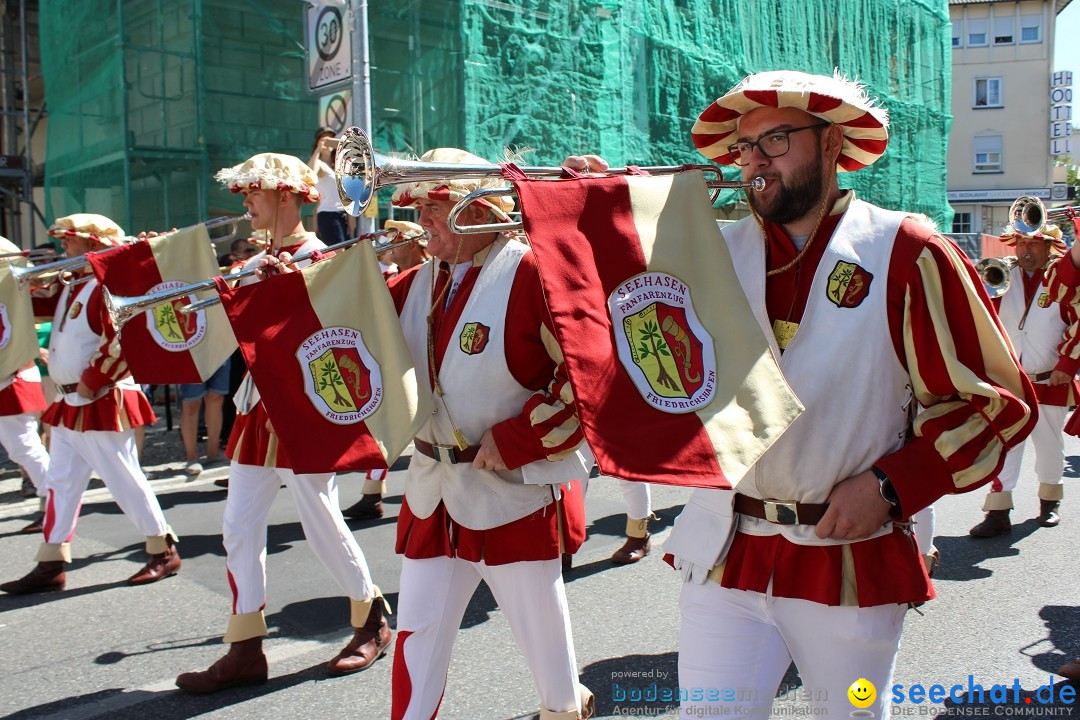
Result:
[21,401]
[880,316]
[259,466]
[500,369]
[93,434]
[1044,337]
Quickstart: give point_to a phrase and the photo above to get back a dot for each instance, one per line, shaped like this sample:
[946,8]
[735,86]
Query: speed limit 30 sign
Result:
[328,46]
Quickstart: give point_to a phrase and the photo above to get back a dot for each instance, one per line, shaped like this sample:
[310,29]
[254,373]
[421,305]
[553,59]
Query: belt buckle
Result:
[445,453]
[781,513]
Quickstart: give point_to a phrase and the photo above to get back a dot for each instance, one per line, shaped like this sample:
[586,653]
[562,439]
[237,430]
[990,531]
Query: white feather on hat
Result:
[835,99]
[454,189]
[271,171]
[96,228]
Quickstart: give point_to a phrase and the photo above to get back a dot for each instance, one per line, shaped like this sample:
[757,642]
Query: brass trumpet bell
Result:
[1028,216]
[994,272]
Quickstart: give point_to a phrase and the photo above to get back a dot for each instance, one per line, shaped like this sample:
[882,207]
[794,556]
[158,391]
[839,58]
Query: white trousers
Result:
[19,436]
[433,597]
[1049,442]
[742,642]
[74,456]
[252,491]
[638,499]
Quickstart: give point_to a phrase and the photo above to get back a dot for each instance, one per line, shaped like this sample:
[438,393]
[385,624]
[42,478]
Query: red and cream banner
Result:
[672,375]
[325,348]
[164,345]
[18,339]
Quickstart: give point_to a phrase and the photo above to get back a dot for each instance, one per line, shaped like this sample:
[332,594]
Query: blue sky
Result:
[1067,42]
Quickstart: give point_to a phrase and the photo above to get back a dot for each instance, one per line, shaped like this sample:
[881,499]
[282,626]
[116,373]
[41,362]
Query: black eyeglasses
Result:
[772,145]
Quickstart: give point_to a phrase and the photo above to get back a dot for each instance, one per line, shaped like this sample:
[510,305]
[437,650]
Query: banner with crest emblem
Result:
[18,339]
[325,348]
[672,375]
[164,345]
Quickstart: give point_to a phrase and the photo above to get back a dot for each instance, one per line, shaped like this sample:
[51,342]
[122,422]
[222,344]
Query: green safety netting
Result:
[147,98]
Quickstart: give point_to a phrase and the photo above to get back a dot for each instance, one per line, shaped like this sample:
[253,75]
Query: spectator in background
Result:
[211,393]
[333,224]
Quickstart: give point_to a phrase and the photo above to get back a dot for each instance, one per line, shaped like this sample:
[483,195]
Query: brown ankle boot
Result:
[36,525]
[45,577]
[1048,513]
[244,664]
[159,566]
[1070,670]
[995,523]
[369,507]
[633,550]
[368,644]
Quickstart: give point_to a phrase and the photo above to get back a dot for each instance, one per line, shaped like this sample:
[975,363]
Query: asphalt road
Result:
[1008,610]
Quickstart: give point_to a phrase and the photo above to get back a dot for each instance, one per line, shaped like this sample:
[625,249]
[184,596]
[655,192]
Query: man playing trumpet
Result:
[274,188]
[93,419]
[1044,337]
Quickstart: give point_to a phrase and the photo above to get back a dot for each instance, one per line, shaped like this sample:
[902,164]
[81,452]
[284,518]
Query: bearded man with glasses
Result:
[911,392]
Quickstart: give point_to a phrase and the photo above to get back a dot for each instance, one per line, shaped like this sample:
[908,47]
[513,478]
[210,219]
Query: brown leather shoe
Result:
[1048,513]
[36,525]
[45,577]
[244,664]
[633,549]
[369,507]
[995,523]
[368,644]
[1070,670]
[222,482]
[159,566]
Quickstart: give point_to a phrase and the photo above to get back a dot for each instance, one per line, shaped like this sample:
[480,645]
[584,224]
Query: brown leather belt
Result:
[1040,377]
[74,388]
[780,513]
[451,454]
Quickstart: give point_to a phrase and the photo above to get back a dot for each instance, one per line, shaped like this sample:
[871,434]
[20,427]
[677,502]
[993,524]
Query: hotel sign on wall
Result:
[1061,113]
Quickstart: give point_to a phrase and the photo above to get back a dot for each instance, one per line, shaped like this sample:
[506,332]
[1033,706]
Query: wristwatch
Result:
[888,492]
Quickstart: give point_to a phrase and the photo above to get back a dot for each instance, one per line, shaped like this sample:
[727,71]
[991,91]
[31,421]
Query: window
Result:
[1030,28]
[987,92]
[956,34]
[988,154]
[976,32]
[961,223]
[1004,28]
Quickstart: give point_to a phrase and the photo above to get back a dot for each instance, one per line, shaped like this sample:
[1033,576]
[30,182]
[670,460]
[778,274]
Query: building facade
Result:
[1012,114]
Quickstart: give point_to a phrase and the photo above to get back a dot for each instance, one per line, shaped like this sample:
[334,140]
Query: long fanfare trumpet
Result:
[361,171]
[122,309]
[994,272]
[1028,216]
[34,255]
[63,269]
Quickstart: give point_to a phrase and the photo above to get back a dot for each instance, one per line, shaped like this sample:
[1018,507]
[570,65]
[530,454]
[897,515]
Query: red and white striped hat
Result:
[89,226]
[835,99]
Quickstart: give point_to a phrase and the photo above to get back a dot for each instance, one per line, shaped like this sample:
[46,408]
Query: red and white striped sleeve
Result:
[1069,348]
[976,401]
[106,365]
[1063,281]
[547,426]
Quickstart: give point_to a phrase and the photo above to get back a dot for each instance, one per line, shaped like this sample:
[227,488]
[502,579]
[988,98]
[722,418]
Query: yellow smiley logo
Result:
[862,693]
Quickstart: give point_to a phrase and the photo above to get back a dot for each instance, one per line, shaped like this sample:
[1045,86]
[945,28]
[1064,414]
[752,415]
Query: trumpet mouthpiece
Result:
[757,184]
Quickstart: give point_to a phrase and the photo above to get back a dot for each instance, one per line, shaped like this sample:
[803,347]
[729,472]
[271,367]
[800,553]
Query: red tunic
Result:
[520,441]
[116,410]
[887,569]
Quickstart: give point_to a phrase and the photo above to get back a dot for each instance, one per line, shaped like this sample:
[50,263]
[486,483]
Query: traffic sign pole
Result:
[361,96]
